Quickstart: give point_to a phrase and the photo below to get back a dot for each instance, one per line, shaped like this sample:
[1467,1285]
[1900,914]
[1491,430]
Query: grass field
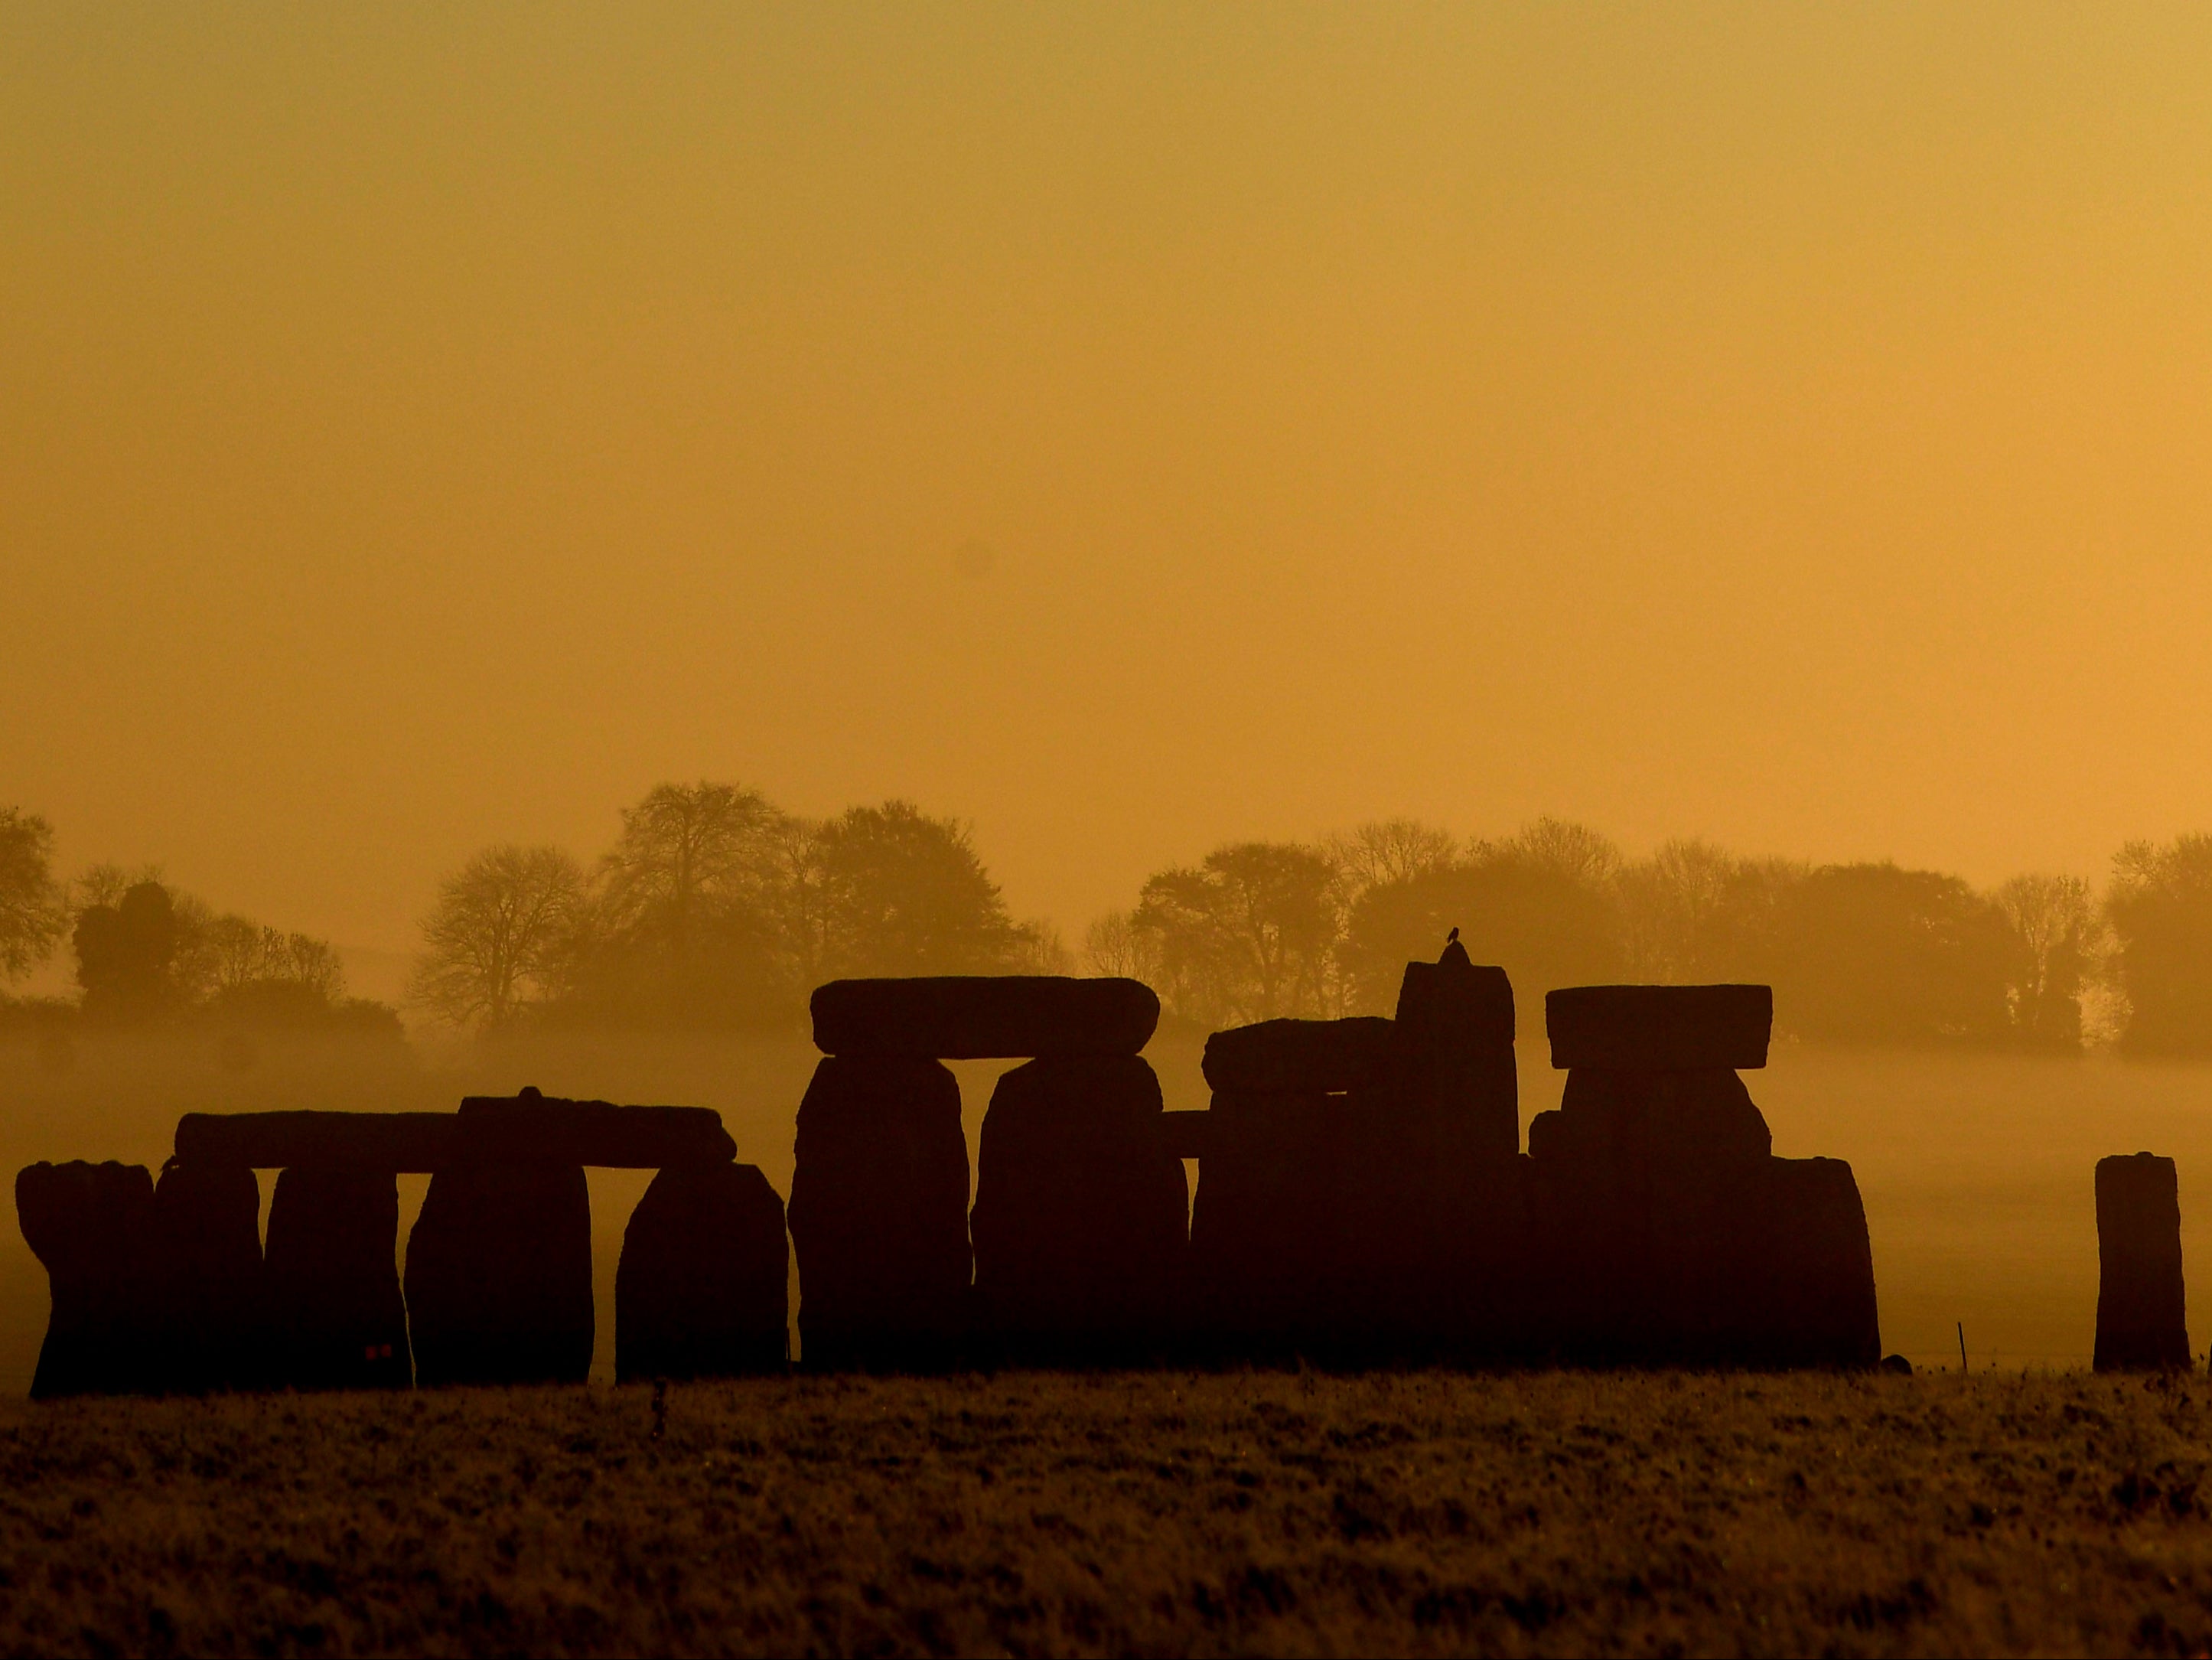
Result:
[1270,1512]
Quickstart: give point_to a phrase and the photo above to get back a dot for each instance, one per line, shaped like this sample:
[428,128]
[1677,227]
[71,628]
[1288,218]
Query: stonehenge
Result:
[1363,1196]
[2142,1320]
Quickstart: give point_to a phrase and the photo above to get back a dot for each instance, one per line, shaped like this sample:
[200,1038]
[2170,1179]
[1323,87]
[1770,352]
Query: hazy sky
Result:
[1130,428]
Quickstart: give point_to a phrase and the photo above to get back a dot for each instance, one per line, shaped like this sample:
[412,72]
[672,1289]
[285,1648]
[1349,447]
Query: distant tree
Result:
[1389,850]
[1876,953]
[687,854]
[32,915]
[499,936]
[1694,913]
[1249,933]
[1114,943]
[1540,904]
[126,955]
[903,893]
[2160,907]
[2055,928]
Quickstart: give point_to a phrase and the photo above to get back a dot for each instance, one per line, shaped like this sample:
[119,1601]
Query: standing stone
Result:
[499,1276]
[92,1226]
[879,1214]
[2141,1314]
[1267,1230]
[336,1320]
[1455,1044]
[1080,1214]
[702,1287]
[214,1313]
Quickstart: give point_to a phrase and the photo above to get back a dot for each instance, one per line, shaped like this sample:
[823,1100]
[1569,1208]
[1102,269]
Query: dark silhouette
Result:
[499,1276]
[1267,1229]
[124,953]
[214,1314]
[1454,1054]
[1301,1056]
[1079,1218]
[879,1214]
[530,1128]
[703,1285]
[335,1311]
[385,1142]
[1666,1231]
[1651,1029]
[2142,1313]
[984,1017]
[92,1226]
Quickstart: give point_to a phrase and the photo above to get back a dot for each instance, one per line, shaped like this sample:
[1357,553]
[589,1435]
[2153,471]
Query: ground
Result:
[1167,1512]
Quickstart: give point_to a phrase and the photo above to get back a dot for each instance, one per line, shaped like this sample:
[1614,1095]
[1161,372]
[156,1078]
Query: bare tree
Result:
[1573,850]
[685,852]
[32,915]
[1389,850]
[498,935]
[1114,943]
[2055,922]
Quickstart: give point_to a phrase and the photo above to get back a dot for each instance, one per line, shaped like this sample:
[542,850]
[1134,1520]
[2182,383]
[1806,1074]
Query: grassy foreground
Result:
[1419,1513]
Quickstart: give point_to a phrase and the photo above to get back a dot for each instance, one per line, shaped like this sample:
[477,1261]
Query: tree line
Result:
[715,908]
[148,953]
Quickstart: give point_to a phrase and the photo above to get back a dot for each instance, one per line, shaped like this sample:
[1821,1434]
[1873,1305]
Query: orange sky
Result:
[424,427]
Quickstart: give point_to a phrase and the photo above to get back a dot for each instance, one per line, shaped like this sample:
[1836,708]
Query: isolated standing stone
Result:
[214,1314]
[703,1284]
[2141,1312]
[92,1226]
[879,1214]
[336,1320]
[499,1276]
[1080,1214]
[983,1017]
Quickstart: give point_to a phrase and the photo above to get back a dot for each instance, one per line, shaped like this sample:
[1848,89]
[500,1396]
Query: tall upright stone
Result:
[879,1214]
[92,1226]
[214,1314]
[336,1317]
[1456,1073]
[702,1287]
[2142,1311]
[1666,1231]
[499,1276]
[1080,1214]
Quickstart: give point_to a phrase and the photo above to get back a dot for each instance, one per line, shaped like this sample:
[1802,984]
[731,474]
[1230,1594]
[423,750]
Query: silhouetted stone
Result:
[2141,1312]
[543,1129]
[92,1226]
[1267,1231]
[1080,1214]
[336,1317]
[387,1141]
[702,1288]
[213,1317]
[1688,1121]
[1660,1028]
[1301,1056]
[879,1214]
[1186,1134]
[983,1017]
[1455,1042]
[499,1276]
